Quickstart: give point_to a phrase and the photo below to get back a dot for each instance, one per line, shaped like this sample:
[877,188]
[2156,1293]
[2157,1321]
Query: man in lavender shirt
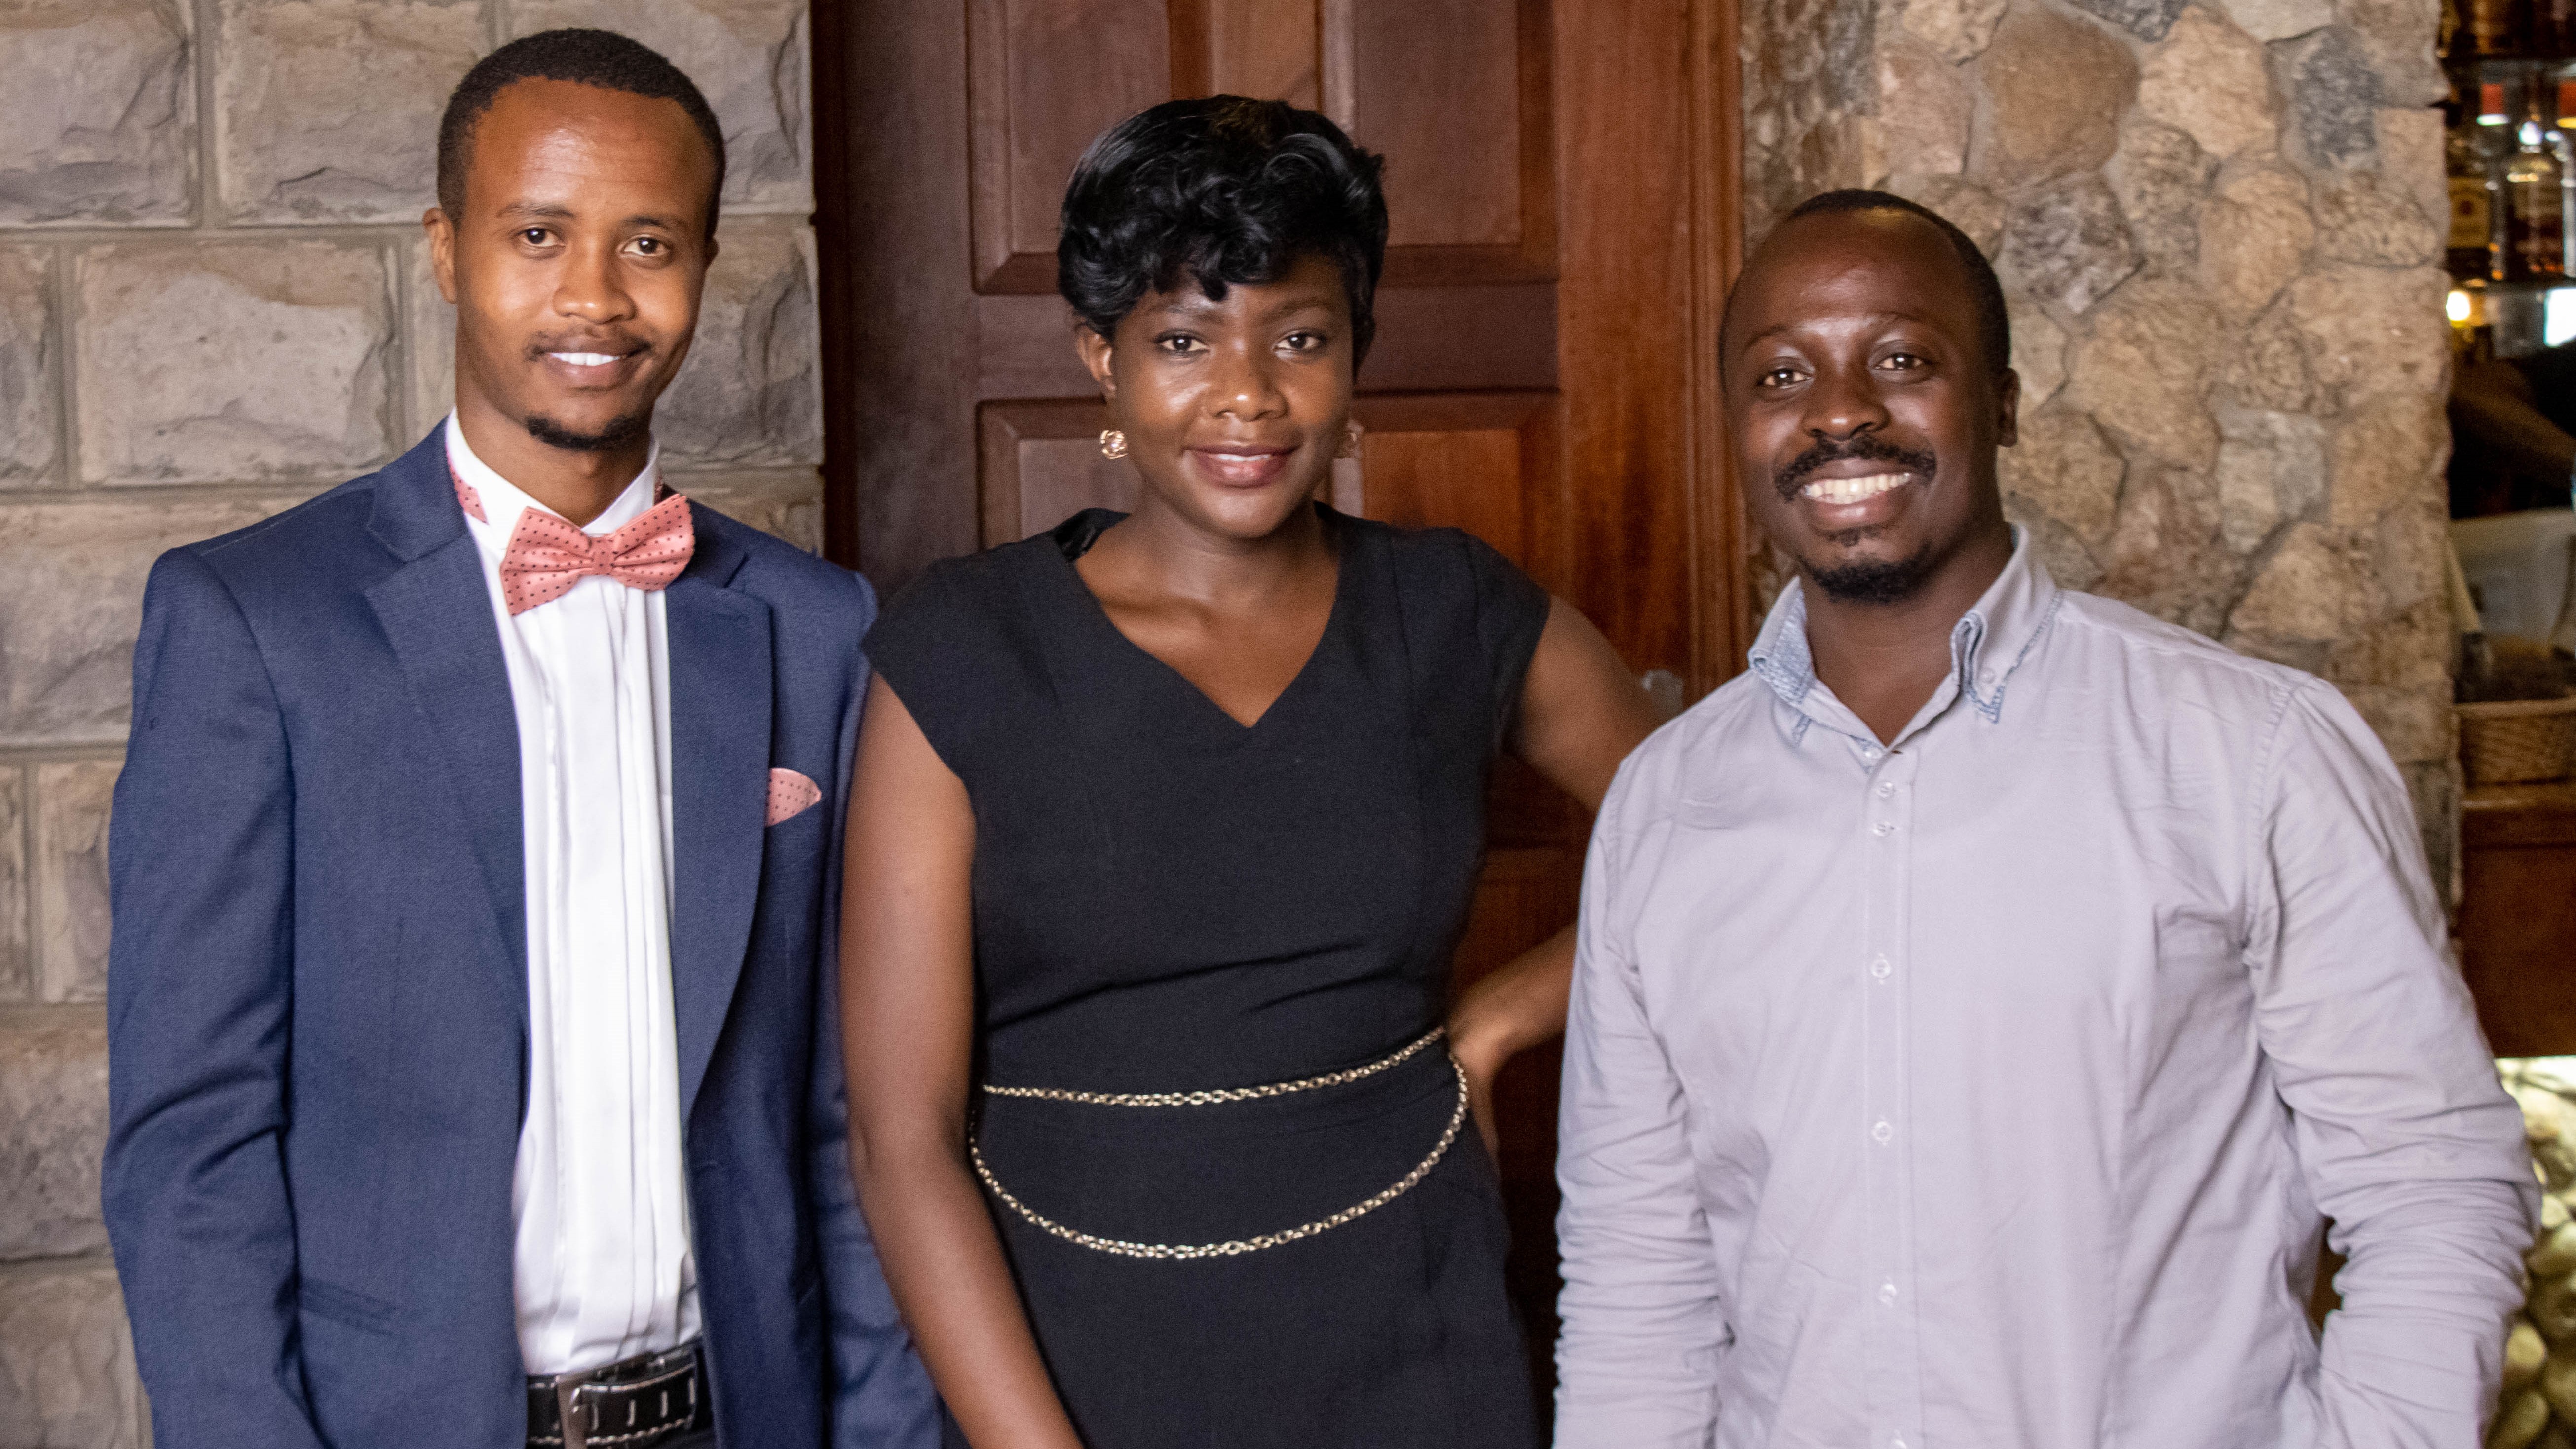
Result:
[1982,1002]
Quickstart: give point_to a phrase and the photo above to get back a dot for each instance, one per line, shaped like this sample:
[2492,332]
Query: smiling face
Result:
[577,262]
[1864,410]
[1233,408]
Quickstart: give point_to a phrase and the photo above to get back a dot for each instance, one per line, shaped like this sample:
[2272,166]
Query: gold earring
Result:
[1113,443]
[1351,436]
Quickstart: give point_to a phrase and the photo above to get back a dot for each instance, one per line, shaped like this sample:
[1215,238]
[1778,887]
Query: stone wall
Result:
[2216,222]
[215,302]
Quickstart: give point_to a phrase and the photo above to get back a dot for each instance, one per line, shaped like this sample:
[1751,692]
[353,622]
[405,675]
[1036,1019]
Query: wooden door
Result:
[1561,184]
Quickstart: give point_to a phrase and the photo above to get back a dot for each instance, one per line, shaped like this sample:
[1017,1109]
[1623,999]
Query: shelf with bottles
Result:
[2480,33]
[2512,179]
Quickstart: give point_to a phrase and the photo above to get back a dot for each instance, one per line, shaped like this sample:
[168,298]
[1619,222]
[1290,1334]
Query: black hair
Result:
[601,58]
[1994,323]
[1229,190]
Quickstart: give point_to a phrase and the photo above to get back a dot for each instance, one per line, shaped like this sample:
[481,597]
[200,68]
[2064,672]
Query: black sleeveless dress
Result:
[1167,900]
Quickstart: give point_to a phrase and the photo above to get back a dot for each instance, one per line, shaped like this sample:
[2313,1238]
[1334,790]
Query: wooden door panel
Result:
[1468,167]
[1266,48]
[1039,463]
[1044,77]
[1484,462]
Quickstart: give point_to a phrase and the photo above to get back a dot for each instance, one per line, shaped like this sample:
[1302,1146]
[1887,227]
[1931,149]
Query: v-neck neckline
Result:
[1344,576]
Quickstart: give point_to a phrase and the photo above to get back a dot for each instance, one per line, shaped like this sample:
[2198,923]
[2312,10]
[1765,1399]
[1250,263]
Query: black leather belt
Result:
[628,1403]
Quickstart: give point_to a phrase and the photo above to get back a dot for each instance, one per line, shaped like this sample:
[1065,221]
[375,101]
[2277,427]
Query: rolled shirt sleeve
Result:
[2406,1138]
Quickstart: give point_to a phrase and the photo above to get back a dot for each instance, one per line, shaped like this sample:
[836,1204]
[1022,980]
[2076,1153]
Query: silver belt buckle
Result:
[568,1409]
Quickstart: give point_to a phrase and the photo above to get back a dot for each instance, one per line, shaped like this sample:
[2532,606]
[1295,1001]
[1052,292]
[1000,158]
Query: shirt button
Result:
[1884,827]
[1886,788]
[1879,968]
[1887,1294]
[1882,1132]
[1869,752]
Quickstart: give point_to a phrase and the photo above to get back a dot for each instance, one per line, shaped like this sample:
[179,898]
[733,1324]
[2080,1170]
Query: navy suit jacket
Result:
[318,998]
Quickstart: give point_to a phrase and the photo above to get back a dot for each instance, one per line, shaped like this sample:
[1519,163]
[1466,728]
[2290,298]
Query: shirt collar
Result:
[1987,646]
[503,501]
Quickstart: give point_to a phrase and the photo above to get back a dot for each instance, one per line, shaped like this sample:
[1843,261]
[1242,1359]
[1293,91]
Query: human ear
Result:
[2008,409]
[1098,355]
[442,251]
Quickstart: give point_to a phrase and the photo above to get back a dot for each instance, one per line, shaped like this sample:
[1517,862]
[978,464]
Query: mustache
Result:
[1868,447]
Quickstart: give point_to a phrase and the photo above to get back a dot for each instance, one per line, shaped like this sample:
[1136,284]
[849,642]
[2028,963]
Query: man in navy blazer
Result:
[473,1061]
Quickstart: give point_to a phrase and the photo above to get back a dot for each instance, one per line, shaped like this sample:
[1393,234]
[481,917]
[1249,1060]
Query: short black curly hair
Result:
[1231,191]
[601,58]
[1985,290]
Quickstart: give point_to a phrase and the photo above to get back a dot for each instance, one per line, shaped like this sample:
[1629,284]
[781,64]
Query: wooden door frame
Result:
[1606,118]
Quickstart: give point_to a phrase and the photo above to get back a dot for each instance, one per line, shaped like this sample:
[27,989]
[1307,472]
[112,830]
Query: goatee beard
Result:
[617,434]
[1874,581]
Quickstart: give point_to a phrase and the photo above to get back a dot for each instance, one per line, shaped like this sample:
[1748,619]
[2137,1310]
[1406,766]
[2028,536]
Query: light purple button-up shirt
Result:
[1988,1089]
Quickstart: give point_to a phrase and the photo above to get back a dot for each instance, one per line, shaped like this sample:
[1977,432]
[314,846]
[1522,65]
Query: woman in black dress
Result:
[1164,828]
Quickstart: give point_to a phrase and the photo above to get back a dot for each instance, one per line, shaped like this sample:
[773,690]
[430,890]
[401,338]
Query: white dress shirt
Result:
[1988,1090]
[603,1263]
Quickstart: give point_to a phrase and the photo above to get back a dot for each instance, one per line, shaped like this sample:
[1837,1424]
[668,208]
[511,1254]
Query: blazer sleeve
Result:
[200,1001]
[882,1398]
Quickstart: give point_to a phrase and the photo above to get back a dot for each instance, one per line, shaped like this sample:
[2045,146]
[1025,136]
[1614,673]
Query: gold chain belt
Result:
[1177,1252]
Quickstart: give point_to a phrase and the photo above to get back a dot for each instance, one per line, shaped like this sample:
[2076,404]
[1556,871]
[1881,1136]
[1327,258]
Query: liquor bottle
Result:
[2471,254]
[2499,27]
[2535,195]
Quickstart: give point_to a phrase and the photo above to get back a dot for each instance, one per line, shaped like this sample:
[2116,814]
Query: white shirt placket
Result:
[1887,833]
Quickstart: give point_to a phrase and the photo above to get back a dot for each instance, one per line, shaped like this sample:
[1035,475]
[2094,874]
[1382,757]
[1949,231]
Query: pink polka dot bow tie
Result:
[548,555]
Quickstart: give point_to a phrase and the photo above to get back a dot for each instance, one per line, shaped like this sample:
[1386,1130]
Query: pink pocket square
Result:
[791,795]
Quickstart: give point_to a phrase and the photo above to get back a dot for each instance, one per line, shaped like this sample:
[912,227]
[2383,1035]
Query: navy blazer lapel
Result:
[720,713]
[437,612]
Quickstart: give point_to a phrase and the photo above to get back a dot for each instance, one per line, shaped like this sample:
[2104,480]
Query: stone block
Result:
[1925,105]
[1963,203]
[790,508]
[1956,30]
[2385,456]
[2144,371]
[2335,93]
[2064,468]
[72,800]
[2368,217]
[2269,370]
[2165,556]
[2373,334]
[2038,353]
[30,445]
[2161,176]
[2410,649]
[327,110]
[99,121]
[2397,36]
[2069,244]
[2254,237]
[750,393]
[2415,725]
[2146,19]
[748,56]
[2271,467]
[2316,587]
[66,1360]
[233,362]
[2055,89]
[53,1126]
[17,952]
[2410,151]
[75,575]
[2208,80]
[2270,20]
